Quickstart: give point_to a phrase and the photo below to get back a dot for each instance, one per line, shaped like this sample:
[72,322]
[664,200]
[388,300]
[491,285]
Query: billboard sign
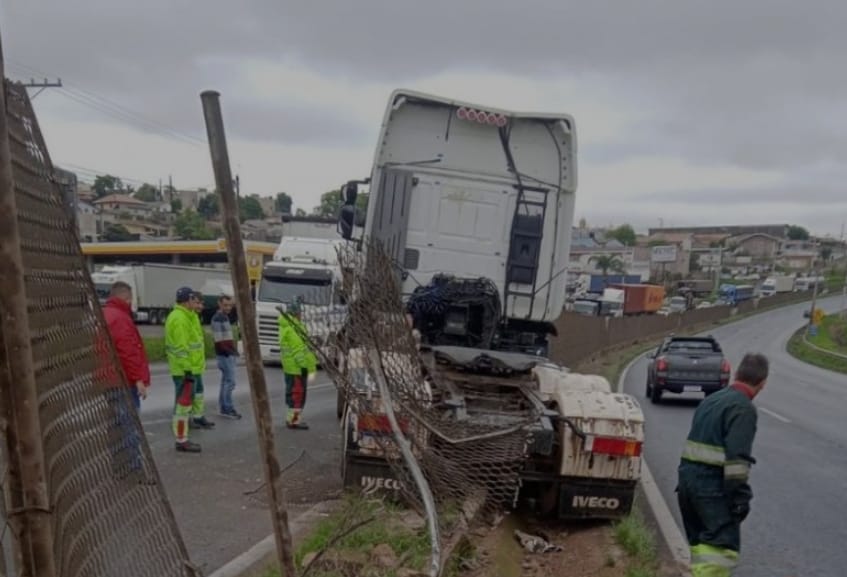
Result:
[663,253]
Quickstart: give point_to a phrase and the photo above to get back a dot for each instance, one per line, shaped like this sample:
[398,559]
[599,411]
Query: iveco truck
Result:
[476,197]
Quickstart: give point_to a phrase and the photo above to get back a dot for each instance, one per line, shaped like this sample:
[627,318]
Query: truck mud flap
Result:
[371,476]
[595,498]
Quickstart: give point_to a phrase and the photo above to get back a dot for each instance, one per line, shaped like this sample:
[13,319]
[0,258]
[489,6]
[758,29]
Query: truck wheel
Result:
[655,395]
[649,390]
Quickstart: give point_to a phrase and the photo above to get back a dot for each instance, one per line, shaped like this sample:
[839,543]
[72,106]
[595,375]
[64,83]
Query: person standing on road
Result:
[713,491]
[133,360]
[186,361]
[226,352]
[198,401]
[299,363]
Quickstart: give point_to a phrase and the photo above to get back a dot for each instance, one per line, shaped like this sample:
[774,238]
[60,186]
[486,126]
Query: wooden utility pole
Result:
[17,388]
[247,318]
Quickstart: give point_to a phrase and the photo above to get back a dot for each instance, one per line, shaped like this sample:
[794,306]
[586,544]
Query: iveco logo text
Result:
[596,502]
[373,484]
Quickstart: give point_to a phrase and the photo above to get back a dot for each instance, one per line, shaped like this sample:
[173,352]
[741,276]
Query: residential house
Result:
[86,220]
[798,255]
[190,199]
[124,206]
[761,247]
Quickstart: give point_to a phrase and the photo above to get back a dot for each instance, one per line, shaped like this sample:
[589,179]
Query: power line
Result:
[114,109]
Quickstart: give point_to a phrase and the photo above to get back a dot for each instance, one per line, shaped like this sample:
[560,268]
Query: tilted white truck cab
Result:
[476,191]
[305,268]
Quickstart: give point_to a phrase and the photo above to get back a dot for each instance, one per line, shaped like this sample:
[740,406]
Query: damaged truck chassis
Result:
[582,452]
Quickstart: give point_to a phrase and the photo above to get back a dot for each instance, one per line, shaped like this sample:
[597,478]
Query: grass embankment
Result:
[371,538]
[832,336]
[639,543]
[155,348]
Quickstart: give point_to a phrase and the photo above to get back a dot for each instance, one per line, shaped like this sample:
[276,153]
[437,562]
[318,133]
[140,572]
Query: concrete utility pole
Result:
[247,319]
[30,518]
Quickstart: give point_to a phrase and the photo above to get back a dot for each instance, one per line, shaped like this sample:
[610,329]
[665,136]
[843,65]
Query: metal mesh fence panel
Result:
[109,509]
[469,426]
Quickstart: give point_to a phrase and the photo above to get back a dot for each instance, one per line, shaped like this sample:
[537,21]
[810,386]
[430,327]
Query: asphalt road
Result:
[796,527]
[210,492]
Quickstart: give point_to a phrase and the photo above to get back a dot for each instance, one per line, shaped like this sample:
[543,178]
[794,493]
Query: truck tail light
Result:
[615,446]
[661,364]
[725,370]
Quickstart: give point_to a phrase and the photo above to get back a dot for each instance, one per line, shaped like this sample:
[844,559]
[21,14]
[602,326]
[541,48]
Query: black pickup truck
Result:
[687,365]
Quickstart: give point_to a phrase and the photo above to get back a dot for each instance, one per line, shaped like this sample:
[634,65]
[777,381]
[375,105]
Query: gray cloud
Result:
[756,84]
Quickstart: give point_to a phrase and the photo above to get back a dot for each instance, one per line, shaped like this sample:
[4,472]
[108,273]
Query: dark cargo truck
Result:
[687,365]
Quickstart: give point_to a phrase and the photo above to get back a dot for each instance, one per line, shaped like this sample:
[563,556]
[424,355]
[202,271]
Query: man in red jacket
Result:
[133,360]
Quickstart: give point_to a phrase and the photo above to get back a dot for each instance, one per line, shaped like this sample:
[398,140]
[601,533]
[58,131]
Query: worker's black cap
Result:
[184,294]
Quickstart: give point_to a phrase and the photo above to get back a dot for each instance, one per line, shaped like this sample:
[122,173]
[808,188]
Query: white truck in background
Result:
[486,197]
[307,268]
[154,286]
[776,285]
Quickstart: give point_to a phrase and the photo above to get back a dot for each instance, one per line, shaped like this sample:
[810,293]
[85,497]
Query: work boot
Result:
[230,414]
[188,447]
[302,425]
[203,423]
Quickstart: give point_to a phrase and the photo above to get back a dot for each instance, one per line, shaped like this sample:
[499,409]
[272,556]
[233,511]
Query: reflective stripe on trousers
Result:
[711,561]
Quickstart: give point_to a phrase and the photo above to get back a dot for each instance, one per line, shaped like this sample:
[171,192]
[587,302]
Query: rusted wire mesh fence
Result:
[468,429]
[109,510]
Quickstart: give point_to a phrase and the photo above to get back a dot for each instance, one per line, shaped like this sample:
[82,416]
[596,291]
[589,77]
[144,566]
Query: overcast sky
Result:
[692,112]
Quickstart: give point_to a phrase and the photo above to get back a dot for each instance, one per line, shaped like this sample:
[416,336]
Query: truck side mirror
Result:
[349,192]
[347,221]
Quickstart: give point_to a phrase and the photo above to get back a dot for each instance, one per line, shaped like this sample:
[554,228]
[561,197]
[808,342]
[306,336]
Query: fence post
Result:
[19,391]
[249,330]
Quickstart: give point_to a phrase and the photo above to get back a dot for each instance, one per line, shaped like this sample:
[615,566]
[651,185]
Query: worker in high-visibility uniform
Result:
[186,361]
[198,400]
[713,491]
[298,363]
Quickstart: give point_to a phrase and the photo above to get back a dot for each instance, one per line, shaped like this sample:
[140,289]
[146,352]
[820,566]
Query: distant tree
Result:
[330,204]
[797,233]
[283,203]
[624,234]
[176,205]
[106,184]
[190,226]
[209,207]
[300,212]
[250,208]
[147,193]
[609,262]
[117,233]
[826,253]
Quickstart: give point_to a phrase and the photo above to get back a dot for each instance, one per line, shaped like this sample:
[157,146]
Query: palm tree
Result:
[607,262]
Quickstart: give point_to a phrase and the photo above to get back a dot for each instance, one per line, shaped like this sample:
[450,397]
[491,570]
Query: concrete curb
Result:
[260,556]
[675,541]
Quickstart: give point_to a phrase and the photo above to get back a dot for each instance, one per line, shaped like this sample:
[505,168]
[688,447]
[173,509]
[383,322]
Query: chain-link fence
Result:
[465,414]
[109,511]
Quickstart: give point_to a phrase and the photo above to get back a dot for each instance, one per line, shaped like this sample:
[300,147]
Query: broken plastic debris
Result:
[535,544]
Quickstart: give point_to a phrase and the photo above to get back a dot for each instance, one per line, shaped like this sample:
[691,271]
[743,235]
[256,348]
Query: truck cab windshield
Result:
[285,290]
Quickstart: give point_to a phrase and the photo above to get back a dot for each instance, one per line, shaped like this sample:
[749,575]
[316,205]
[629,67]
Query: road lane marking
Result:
[776,416]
